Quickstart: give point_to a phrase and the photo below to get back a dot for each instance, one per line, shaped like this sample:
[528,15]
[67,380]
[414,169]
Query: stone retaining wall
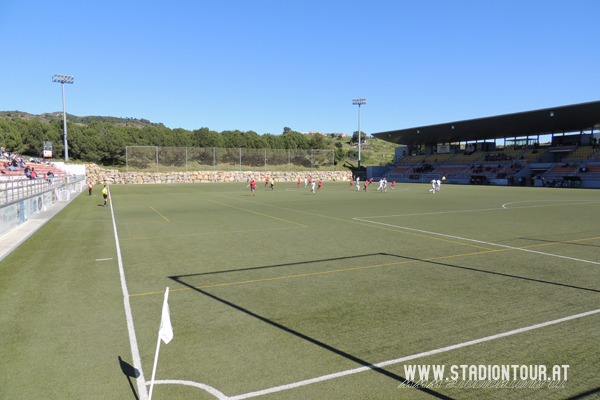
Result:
[97,175]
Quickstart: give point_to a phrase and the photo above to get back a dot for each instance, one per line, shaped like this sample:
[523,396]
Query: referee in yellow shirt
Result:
[105,194]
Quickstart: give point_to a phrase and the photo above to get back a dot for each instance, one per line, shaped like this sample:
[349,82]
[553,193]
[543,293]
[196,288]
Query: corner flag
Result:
[165,333]
[166,329]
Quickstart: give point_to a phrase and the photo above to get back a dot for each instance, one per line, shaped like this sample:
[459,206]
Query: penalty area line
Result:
[562,203]
[410,357]
[480,242]
[504,207]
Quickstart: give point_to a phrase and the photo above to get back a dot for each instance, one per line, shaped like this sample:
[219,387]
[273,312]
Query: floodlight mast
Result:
[62,79]
[359,102]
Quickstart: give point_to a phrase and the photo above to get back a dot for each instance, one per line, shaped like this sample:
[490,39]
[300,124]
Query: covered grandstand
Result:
[468,152]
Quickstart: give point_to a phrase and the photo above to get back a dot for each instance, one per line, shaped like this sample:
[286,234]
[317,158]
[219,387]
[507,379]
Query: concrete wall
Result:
[75,169]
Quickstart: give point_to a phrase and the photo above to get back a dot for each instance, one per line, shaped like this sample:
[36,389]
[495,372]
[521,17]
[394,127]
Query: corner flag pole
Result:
[165,333]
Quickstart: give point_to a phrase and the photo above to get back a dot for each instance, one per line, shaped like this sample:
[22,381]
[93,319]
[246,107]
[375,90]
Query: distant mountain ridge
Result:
[49,117]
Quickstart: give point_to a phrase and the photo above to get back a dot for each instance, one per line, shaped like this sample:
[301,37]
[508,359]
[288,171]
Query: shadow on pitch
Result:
[316,342]
[559,242]
[584,394]
[281,265]
[497,273]
[404,258]
[130,372]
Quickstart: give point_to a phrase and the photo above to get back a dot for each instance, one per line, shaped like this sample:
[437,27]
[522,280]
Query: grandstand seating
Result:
[40,170]
[7,172]
[467,158]
[450,170]
[560,171]
[501,156]
[414,160]
[502,164]
[593,172]
[400,170]
[533,155]
[488,171]
[438,158]
[580,154]
[512,169]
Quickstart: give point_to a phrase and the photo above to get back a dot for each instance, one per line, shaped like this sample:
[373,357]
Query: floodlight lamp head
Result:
[62,78]
[359,101]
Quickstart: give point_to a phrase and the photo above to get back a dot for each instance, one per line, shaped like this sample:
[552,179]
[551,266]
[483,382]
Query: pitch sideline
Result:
[135,352]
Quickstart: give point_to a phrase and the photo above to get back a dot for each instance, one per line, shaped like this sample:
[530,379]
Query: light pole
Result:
[359,102]
[64,79]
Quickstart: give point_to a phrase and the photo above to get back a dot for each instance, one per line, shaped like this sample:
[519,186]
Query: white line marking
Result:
[103,259]
[219,395]
[431,213]
[487,209]
[480,241]
[546,205]
[408,358]
[135,352]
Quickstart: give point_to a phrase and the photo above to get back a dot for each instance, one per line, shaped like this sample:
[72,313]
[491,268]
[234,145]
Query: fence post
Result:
[126,164]
[333,164]
[157,159]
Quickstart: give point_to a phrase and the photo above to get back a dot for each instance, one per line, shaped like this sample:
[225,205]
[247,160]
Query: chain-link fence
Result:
[188,159]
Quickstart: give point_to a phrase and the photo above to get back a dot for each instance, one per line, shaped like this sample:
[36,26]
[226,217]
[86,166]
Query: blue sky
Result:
[265,65]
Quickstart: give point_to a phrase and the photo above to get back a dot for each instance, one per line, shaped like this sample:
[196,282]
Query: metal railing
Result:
[14,190]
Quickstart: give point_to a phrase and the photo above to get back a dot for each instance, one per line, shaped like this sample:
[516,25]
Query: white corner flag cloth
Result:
[166,329]
[165,333]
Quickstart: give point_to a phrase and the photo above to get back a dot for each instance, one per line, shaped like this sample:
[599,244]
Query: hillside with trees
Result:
[102,140]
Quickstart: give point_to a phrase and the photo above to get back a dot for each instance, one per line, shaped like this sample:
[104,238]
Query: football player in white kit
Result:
[433,185]
[438,183]
[358,183]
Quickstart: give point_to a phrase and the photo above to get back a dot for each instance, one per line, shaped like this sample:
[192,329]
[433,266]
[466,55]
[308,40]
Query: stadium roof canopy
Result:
[573,118]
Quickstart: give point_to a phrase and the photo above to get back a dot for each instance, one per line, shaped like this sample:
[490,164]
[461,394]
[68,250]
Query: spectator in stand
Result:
[33,174]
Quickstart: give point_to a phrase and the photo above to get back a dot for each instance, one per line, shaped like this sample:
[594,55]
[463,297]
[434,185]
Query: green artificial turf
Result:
[286,286]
